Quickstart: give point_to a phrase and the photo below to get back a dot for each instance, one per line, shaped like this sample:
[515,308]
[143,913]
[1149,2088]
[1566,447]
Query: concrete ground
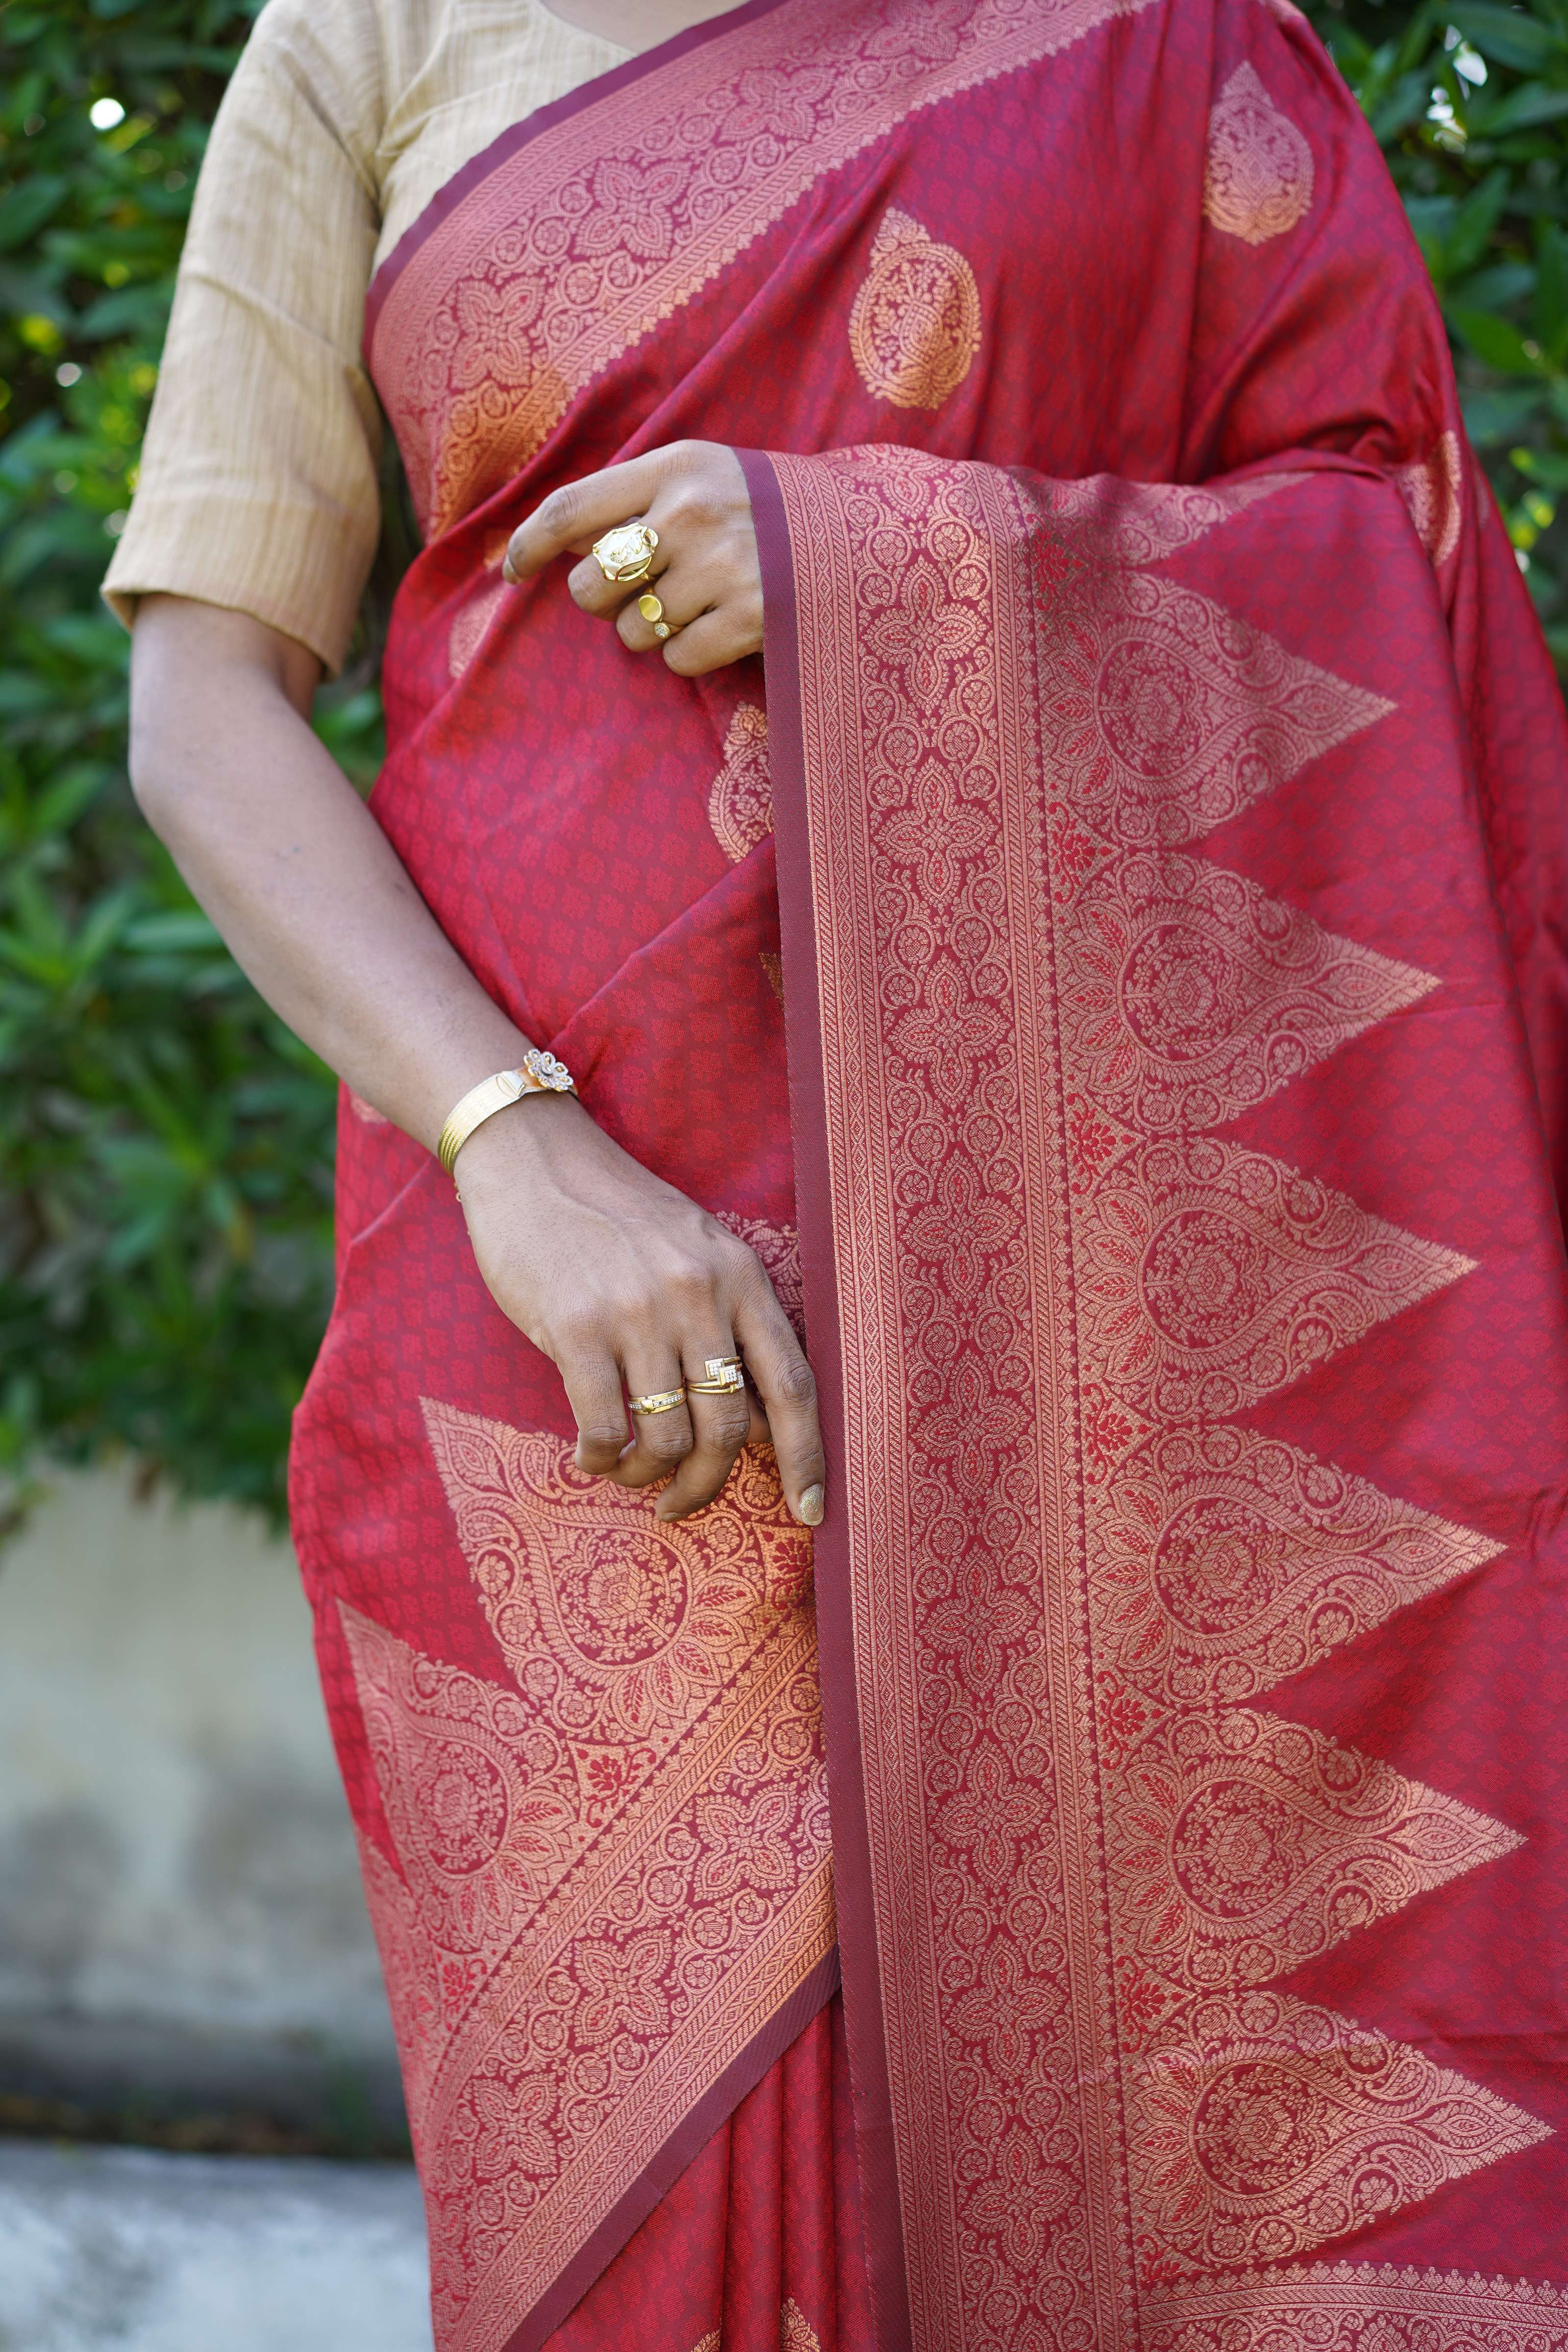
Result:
[125,2250]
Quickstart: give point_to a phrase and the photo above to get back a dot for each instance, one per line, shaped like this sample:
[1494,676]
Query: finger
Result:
[777,1365]
[682,595]
[721,1424]
[728,634]
[573,516]
[592,1380]
[661,1441]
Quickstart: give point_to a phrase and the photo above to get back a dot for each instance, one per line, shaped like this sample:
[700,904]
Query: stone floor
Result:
[123,2248]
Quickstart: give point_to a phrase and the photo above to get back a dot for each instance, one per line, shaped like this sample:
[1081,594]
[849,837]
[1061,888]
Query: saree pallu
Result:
[1148,1103]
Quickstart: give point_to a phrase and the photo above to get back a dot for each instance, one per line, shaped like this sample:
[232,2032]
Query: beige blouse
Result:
[258,484]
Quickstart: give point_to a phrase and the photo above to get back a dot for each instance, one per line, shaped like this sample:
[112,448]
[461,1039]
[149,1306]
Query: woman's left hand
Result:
[704,571]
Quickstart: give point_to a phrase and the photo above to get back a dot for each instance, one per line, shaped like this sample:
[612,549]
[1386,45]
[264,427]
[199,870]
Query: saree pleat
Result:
[1147,1110]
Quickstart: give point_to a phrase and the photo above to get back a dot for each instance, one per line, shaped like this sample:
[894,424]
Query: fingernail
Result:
[507,574]
[811,1504]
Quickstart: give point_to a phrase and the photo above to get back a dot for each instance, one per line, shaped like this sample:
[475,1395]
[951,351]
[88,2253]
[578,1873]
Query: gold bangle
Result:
[538,1073]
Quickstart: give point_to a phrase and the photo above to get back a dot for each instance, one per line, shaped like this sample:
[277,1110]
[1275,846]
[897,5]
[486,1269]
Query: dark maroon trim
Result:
[450,194]
[834,1625]
[743,2073]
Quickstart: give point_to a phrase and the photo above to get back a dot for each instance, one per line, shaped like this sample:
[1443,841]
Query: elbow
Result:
[148,762]
[203,680]
[166,700]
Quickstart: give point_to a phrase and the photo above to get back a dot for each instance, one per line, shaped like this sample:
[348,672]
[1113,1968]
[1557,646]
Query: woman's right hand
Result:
[623,1281]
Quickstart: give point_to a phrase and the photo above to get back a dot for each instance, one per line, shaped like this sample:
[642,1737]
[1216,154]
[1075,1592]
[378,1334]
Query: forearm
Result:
[620,1279]
[293,869]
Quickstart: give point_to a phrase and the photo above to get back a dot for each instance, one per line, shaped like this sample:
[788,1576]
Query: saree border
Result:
[565,213]
[1346,2303]
[518,135]
[659,2175]
[860,1964]
[1145,2227]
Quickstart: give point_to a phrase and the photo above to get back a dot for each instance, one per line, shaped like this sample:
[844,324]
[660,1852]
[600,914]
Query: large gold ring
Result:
[652,612]
[725,1378]
[625,554]
[658,1401]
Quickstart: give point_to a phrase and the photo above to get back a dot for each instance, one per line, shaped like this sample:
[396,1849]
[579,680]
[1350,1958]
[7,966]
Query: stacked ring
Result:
[725,1378]
[652,612]
[659,1400]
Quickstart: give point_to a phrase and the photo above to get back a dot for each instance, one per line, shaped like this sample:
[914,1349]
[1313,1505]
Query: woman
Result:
[1169,792]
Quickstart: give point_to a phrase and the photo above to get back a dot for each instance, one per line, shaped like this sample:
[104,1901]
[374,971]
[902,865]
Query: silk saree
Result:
[1105,1892]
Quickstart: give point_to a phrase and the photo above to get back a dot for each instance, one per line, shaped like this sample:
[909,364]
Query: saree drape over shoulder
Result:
[1149,1100]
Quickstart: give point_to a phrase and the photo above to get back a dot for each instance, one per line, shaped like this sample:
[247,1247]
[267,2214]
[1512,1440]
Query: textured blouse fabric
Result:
[258,485]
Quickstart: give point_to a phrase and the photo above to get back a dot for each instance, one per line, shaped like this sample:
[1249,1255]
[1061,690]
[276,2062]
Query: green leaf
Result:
[1474,222]
[1521,109]
[1496,342]
[1496,287]
[63,800]
[139,311]
[1507,36]
[1406,103]
[1551,307]
[1547,466]
[184,930]
[27,206]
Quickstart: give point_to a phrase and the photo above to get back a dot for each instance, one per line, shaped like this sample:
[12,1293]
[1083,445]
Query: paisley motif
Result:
[1258,179]
[1164,716]
[642,1620]
[1239,1847]
[482,1796]
[1226,1560]
[915,325]
[608,1873]
[1206,1277]
[1214,1276]
[1197,996]
[1120,522]
[1264,2126]
[569,252]
[1433,490]
[740,800]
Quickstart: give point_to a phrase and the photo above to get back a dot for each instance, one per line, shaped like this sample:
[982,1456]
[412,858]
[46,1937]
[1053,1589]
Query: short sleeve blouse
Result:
[257,482]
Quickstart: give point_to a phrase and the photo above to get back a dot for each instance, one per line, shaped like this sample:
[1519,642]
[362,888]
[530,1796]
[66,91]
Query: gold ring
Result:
[652,612]
[725,1378]
[659,1400]
[624,554]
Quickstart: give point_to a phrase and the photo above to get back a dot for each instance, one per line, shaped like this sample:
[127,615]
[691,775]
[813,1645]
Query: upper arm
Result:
[257,486]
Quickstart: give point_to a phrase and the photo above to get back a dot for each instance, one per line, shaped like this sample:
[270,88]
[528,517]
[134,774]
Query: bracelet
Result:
[537,1074]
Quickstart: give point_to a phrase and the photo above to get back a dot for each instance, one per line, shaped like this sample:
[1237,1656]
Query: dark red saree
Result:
[1170,802]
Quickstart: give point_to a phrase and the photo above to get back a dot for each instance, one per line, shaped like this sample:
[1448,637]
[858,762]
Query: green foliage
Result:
[1470,103]
[164,1144]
